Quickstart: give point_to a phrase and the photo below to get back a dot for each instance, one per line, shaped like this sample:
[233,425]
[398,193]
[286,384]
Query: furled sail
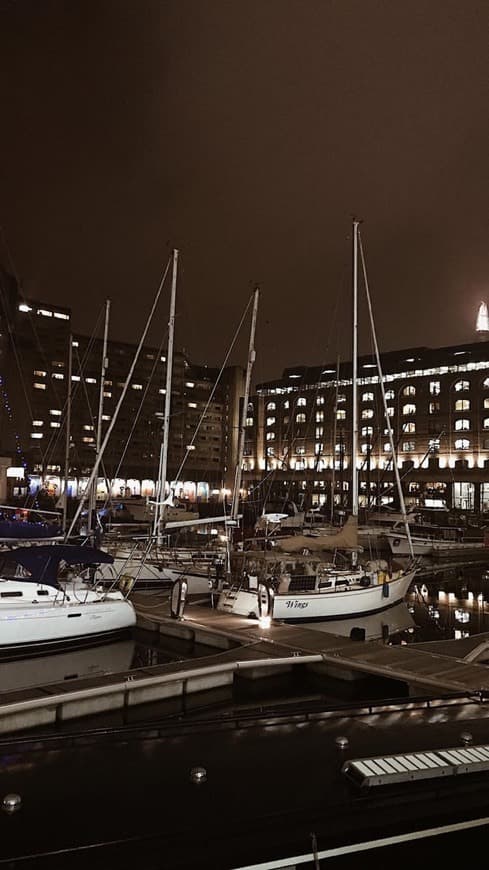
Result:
[345,539]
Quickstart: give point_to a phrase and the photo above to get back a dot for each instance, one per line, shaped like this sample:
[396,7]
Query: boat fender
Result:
[264,600]
[381,577]
[385,589]
[177,598]
[365,580]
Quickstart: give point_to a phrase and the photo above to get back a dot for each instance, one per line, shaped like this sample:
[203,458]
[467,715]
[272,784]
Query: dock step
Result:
[415,766]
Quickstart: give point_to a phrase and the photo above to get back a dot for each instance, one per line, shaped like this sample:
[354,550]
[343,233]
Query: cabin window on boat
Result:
[462,425]
[462,444]
[435,388]
[462,386]
[408,409]
[409,428]
[463,405]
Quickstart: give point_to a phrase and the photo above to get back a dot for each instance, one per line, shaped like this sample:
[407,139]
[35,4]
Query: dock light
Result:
[11,803]
[265,621]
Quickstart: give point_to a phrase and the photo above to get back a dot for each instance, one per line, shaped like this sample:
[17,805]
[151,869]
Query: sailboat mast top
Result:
[354,446]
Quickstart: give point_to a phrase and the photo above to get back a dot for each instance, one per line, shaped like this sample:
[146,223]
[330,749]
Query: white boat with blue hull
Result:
[47,597]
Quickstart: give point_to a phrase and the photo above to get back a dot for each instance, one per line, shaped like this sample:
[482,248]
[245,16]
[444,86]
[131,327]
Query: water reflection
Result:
[376,626]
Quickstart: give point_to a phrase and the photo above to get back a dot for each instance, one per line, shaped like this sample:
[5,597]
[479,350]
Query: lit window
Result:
[61,316]
[462,386]
[364,448]
[58,376]
[301,402]
[44,312]
[24,307]
[76,344]
[75,377]
[462,425]
[339,448]
[485,424]
[464,405]
[434,445]
[433,407]
[39,386]
[106,417]
[462,444]
[408,446]
[107,394]
[55,412]
[367,397]
[389,395]
[87,440]
[271,406]
[137,386]
[270,451]
[341,414]
[485,384]
[319,416]
[189,384]
[55,425]
[367,431]
[249,421]
[162,391]
[38,422]
[407,410]
[318,448]
[270,436]
[88,428]
[390,411]
[36,435]
[91,380]
[409,428]
[39,374]
[271,421]
[320,430]
[367,414]
[191,404]
[300,418]
[387,447]
[410,390]
[341,398]
[300,450]
[435,388]
[319,400]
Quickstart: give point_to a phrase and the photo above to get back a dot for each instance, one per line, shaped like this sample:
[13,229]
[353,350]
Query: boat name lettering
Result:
[300,604]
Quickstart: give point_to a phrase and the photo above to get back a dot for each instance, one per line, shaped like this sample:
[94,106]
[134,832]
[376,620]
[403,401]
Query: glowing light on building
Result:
[482,323]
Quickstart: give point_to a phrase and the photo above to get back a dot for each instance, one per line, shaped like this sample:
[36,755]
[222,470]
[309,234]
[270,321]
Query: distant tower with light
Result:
[482,323]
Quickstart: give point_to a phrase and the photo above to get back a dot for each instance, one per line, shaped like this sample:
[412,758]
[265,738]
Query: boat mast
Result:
[68,433]
[93,492]
[354,446]
[335,426]
[160,505]
[244,412]
[387,417]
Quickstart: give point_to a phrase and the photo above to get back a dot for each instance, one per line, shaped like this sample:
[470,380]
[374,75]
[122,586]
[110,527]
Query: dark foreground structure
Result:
[290,786]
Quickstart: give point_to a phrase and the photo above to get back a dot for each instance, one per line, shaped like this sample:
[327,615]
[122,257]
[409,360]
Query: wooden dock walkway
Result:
[444,666]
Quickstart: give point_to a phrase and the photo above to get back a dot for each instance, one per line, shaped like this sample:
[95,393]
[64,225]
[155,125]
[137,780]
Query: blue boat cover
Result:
[43,561]
[10,529]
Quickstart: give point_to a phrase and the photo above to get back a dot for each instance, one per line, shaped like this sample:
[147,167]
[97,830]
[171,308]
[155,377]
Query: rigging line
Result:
[14,349]
[211,396]
[138,414]
[120,401]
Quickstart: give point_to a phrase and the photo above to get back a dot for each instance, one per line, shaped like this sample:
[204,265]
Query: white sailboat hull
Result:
[30,623]
[429,546]
[335,603]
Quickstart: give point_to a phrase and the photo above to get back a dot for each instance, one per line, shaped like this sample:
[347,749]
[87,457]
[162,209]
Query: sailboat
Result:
[294,581]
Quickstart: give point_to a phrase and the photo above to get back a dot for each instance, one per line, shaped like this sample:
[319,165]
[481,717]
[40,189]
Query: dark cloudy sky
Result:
[246,133]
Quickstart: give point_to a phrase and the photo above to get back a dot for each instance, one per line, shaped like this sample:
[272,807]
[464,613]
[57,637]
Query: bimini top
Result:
[43,561]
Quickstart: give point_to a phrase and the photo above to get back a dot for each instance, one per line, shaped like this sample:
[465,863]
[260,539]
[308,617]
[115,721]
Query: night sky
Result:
[247,133]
